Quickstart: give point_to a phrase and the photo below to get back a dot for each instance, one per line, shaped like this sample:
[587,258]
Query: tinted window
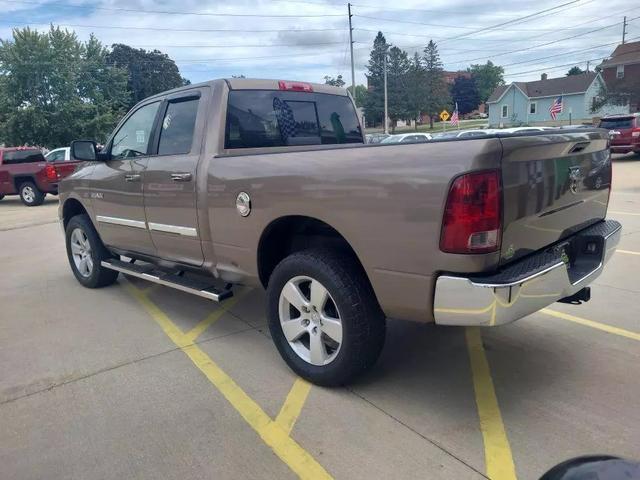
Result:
[132,140]
[262,118]
[22,156]
[176,133]
[616,122]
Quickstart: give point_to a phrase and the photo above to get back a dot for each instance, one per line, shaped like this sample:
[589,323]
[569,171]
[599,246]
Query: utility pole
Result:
[588,63]
[386,109]
[353,70]
[624,29]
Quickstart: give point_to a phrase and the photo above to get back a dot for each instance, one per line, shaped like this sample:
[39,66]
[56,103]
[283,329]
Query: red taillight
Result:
[471,221]
[50,172]
[295,86]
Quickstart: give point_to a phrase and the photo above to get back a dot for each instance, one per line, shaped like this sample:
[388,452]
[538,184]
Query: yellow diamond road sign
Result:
[444,115]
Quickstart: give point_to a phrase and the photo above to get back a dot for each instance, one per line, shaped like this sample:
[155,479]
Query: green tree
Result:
[150,72]
[54,88]
[465,93]
[487,77]
[416,88]
[436,90]
[574,71]
[360,96]
[397,99]
[336,82]
[374,103]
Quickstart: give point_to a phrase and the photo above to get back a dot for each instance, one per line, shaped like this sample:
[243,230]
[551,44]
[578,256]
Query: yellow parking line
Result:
[497,451]
[590,323]
[624,213]
[200,328]
[628,252]
[275,436]
[292,406]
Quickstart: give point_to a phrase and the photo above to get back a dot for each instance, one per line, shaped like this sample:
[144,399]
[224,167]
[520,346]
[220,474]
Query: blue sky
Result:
[307,39]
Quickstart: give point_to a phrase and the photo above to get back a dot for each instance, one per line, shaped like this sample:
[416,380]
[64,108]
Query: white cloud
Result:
[307,53]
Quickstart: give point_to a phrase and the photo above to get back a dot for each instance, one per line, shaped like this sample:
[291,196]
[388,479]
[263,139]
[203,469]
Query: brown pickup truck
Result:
[268,183]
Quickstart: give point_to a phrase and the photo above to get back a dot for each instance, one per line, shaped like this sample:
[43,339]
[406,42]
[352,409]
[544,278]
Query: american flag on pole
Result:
[455,119]
[556,107]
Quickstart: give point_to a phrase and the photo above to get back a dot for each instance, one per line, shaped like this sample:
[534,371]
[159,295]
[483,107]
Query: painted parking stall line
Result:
[272,433]
[498,457]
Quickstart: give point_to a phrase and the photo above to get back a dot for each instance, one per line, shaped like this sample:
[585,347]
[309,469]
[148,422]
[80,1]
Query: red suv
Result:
[25,172]
[624,131]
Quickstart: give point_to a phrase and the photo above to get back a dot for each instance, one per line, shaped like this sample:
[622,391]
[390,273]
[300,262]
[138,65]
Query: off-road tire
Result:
[31,195]
[99,276]
[363,322]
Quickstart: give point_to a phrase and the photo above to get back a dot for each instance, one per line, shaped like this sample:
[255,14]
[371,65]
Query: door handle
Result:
[132,177]
[181,177]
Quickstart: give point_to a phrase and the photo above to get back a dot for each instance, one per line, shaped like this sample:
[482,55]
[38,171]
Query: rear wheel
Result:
[1,197]
[86,253]
[31,195]
[324,317]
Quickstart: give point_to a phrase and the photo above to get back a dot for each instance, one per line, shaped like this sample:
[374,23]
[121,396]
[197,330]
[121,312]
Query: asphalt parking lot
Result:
[134,381]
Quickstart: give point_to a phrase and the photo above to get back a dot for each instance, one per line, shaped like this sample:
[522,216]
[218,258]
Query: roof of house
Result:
[547,88]
[623,54]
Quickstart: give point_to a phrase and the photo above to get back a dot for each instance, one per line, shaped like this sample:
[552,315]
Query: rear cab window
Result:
[10,157]
[266,118]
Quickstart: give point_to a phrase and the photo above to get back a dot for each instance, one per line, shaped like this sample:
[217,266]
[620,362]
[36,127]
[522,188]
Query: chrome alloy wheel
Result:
[310,320]
[81,252]
[28,194]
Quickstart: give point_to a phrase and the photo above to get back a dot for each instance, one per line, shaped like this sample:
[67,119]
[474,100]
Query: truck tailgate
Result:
[554,184]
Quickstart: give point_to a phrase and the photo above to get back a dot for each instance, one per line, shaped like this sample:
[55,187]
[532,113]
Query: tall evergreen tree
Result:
[436,91]
[397,70]
[374,103]
[416,88]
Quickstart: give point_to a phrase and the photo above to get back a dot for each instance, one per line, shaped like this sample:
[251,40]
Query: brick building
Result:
[621,72]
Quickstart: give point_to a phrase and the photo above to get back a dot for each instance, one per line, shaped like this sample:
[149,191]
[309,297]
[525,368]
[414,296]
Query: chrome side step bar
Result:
[201,287]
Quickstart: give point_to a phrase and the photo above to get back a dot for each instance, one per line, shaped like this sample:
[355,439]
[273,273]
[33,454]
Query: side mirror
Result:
[84,150]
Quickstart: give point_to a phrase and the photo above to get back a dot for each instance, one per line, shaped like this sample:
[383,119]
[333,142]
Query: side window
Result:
[55,156]
[178,125]
[133,138]
[505,111]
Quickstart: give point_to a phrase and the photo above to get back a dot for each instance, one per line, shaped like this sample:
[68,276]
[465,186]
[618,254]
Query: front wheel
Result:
[31,195]
[324,317]
[86,253]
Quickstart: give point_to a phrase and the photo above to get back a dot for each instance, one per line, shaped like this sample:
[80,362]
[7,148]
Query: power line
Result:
[474,29]
[541,45]
[272,45]
[170,12]
[556,67]
[190,30]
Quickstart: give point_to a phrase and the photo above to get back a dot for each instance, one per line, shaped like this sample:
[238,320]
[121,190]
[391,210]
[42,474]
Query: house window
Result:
[533,108]
[620,71]
[505,111]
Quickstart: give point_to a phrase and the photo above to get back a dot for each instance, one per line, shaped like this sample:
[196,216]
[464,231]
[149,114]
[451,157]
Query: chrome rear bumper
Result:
[528,285]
